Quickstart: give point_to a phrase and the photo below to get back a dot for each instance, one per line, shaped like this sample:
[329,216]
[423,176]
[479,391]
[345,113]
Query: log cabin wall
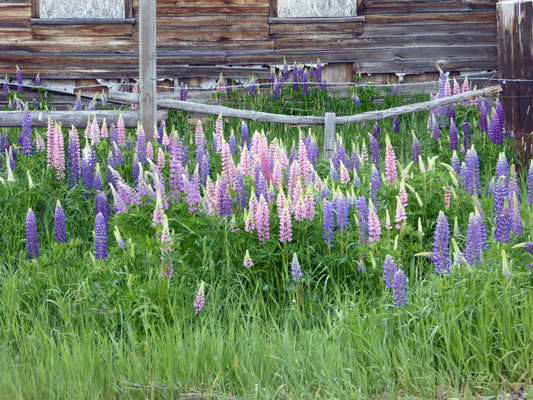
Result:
[404,37]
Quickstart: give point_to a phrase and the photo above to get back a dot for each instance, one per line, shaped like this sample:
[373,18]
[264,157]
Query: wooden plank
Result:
[212,9]
[314,20]
[35,11]
[316,28]
[13,10]
[81,21]
[212,35]
[428,6]
[147,68]
[423,66]
[39,119]
[82,30]
[430,18]
[421,29]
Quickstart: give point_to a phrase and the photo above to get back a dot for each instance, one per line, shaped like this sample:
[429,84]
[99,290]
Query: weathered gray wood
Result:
[147,67]
[81,21]
[329,135]
[297,120]
[515,50]
[39,119]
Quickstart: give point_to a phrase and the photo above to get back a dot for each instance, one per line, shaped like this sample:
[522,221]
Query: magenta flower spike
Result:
[374,225]
[390,163]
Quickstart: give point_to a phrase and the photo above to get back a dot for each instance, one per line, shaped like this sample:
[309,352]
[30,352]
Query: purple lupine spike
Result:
[502,233]
[499,112]
[517,225]
[101,205]
[6,86]
[295,75]
[362,219]
[328,222]
[285,71]
[453,136]
[473,248]
[472,163]
[38,80]
[512,186]
[389,269]
[141,146]
[502,167]
[400,290]
[77,104]
[192,193]
[204,169]
[73,157]
[296,270]
[100,237]
[183,92]
[530,184]
[341,208]
[97,183]
[376,130]
[483,123]
[375,184]
[318,79]
[245,138]
[32,241]
[416,149]
[241,195]
[435,129]
[113,134]
[20,88]
[176,171]
[333,173]
[305,84]
[59,224]
[27,142]
[441,248]
[374,151]
[135,168]
[500,194]
[87,171]
[324,192]
[467,138]
[396,125]
[226,202]
[232,143]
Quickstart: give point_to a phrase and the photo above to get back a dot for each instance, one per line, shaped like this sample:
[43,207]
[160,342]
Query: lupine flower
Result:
[59,224]
[74,168]
[374,151]
[305,84]
[453,136]
[159,213]
[472,164]
[441,248]
[447,197]
[32,241]
[530,183]
[416,149]
[517,225]
[296,270]
[101,205]
[401,216]
[100,237]
[221,85]
[500,194]
[374,226]
[399,288]
[341,208]
[390,163]
[262,220]
[295,79]
[20,88]
[318,72]
[247,260]
[375,183]
[483,125]
[141,146]
[389,269]
[473,248]
[505,265]
[396,125]
[252,87]
[285,70]
[121,132]
[503,224]
[97,183]
[466,135]
[362,219]
[39,142]
[183,92]
[513,182]
[328,222]
[285,226]
[344,174]
[6,87]
[200,295]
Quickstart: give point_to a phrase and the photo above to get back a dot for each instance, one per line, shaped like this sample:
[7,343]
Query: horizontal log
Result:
[81,21]
[384,7]
[423,66]
[430,18]
[305,120]
[212,9]
[306,21]
[77,30]
[39,119]
[421,29]
[314,29]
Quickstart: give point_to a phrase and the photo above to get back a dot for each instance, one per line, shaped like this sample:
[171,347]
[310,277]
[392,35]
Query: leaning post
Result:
[515,48]
[329,135]
[147,67]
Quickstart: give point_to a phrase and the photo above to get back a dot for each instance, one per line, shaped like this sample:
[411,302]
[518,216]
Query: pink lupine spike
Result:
[95,132]
[104,133]
[228,166]
[58,154]
[161,159]
[294,174]
[447,88]
[456,88]
[277,175]
[121,132]
[280,200]
[300,211]
[246,162]
[285,225]
[344,174]
[402,195]
[374,226]
[401,216]
[50,137]
[390,163]
[247,262]
[262,220]
[199,134]
[309,204]
[149,151]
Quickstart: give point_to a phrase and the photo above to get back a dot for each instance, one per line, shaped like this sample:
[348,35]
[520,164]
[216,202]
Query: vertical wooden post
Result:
[147,67]
[329,135]
[515,48]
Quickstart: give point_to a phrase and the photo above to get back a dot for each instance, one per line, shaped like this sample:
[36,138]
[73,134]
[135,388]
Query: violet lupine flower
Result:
[472,164]
[262,220]
[502,167]
[192,193]
[101,205]
[247,262]
[226,202]
[6,87]
[389,269]
[441,247]
[59,224]
[530,183]
[305,84]
[32,241]
[341,208]
[502,233]
[362,219]
[183,92]
[416,149]
[240,192]
[296,270]
[374,226]
[400,290]
[376,130]
[87,171]
[375,183]
[100,237]
[500,194]
[483,124]
[97,183]
[200,298]
[396,125]
[517,225]
[158,217]
[435,129]
[328,222]
[453,136]
[456,163]
[27,142]
[285,224]
[467,137]
[333,173]
[20,88]
[318,78]
[38,80]
[232,143]
[473,247]
[295,74]
[374,151]
[252,87]
[245,138]
[277,86]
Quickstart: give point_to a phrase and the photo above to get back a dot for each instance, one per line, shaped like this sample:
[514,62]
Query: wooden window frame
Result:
[36,17]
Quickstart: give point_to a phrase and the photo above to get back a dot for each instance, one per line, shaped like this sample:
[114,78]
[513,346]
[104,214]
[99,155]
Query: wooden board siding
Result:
[404,36]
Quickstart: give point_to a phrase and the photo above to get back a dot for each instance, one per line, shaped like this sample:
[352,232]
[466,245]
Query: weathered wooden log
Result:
[79,119]
[515,51]
[297,120]
[147,67]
